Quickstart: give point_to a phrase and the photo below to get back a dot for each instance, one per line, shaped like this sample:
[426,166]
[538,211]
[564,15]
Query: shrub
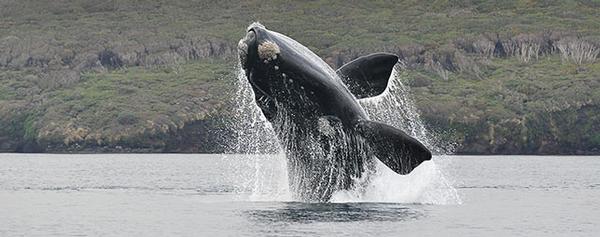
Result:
[577,50]
[127,118]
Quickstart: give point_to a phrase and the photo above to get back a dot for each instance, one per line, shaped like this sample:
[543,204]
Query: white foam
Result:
[425,185]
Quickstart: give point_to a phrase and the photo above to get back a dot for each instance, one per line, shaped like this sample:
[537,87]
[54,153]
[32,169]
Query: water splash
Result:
[396,107]
[264,177]
[427,183]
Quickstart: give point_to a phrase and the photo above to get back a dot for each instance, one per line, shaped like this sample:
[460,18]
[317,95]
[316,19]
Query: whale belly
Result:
[323,159]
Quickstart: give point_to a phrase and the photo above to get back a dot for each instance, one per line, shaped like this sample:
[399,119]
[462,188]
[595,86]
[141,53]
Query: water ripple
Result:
[520,187]
[201,190]
[297,212]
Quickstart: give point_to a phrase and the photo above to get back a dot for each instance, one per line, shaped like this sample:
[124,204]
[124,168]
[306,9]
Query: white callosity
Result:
[268,51]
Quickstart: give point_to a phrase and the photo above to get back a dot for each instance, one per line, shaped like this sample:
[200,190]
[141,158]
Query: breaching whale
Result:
[328,139]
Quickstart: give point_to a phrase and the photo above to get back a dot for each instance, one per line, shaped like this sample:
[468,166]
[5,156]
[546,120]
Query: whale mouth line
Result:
[261,90]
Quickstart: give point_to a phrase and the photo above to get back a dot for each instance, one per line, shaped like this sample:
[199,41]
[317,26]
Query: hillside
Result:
[509,77]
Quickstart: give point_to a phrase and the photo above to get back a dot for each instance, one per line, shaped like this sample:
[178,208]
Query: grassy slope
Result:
[132,107]
[518,107]
[122,104]
[108,107]
[325,26]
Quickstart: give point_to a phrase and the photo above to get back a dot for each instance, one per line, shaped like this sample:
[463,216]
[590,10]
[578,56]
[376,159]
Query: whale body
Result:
[328,139]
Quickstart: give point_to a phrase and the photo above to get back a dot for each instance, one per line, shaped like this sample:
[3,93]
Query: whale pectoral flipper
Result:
[368,76]
[394,148]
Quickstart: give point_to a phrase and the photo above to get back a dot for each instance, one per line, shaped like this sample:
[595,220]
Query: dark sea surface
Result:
[244,195]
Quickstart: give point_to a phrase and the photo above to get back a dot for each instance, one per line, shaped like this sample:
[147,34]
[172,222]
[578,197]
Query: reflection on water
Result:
[300,212]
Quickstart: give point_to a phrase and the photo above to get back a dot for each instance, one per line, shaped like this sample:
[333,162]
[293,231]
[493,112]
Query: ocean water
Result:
[246,195]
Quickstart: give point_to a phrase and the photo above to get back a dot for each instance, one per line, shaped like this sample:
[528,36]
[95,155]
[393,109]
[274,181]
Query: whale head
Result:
[270,58]
[281,69]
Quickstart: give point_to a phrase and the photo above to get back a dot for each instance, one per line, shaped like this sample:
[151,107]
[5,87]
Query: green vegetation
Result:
[144,106]
[105,108]
[503,76]
[514,108]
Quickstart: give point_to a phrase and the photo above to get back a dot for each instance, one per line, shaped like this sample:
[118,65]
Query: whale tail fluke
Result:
[394,148]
